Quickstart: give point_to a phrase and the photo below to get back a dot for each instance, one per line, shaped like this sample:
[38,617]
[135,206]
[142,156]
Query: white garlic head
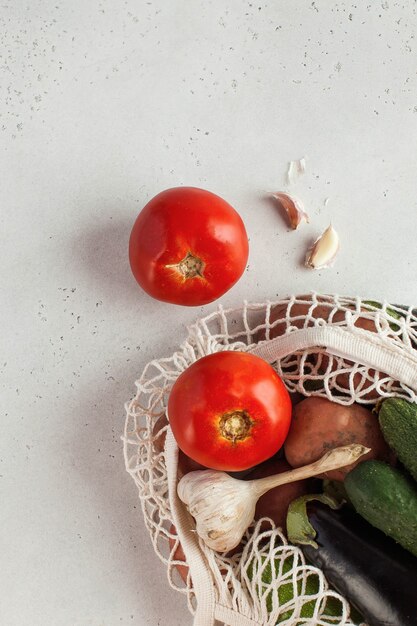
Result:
[222,506]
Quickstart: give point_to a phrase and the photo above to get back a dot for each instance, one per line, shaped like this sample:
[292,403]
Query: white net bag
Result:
[345,349]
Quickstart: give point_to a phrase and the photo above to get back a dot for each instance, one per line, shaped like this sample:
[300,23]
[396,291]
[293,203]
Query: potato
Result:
[319,425]
[274,503]
[323,310]
[298,310]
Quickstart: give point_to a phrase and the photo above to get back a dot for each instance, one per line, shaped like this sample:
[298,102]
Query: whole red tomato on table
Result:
[188,246]
[229,411]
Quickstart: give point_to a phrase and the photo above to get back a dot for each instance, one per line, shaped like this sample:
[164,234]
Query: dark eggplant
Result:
[376,575]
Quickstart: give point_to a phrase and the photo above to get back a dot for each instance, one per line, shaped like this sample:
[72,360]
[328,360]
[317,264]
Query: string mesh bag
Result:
[341,348]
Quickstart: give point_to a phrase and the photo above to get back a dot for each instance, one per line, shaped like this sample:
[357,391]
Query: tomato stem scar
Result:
[190,266]
[235,425]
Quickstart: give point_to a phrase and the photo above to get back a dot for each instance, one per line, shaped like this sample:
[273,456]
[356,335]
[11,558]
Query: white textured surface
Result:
[103,104]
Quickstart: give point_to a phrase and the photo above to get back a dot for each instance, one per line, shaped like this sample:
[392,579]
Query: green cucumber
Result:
[398,422]
[386,499]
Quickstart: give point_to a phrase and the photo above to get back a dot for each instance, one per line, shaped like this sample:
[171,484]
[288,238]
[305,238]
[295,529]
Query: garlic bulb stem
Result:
[223,507]
[334,459]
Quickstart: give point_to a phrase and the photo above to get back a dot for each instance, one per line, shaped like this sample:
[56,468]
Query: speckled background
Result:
[103,104]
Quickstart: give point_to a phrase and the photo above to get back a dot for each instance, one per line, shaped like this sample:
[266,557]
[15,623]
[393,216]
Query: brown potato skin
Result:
[274,503]
[319,425]
[278,312]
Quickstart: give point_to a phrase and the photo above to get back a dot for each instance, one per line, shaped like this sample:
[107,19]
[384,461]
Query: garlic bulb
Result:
[220,504]
[224,507]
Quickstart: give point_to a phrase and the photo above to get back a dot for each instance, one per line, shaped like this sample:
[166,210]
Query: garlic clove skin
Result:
[295,169]
[222,506]
[293,208]
[324,250]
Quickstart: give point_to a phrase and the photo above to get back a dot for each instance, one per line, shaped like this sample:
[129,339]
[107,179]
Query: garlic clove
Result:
[222,506]
[293,208]
[324,250]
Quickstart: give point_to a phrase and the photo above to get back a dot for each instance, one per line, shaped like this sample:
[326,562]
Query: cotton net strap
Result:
[362,346]
[207,610]
[184,524]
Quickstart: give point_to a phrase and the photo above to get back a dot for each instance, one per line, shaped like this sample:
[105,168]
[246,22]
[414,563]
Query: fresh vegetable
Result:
[188,246]
[292,207]
[374,573]
[319,425]
[323,252]
[285,591]
[229,411]
[299,528]
[304,313]
[223,507]
[274,503]
[386,499]
[297,313]
[398,421]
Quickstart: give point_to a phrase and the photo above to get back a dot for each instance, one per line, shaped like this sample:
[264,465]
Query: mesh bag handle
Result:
[184,524]
[207,610]
[355,345]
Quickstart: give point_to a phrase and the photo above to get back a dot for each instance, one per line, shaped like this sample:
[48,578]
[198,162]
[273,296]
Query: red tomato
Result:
[188,246]
[229,411]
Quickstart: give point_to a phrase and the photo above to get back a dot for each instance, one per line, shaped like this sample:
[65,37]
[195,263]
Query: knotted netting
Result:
[341,348]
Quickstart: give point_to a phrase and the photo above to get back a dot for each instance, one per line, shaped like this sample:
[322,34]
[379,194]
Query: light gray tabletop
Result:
[104,104]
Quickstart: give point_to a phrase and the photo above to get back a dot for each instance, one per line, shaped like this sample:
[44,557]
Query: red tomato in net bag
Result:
[229,411]
[188,246]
